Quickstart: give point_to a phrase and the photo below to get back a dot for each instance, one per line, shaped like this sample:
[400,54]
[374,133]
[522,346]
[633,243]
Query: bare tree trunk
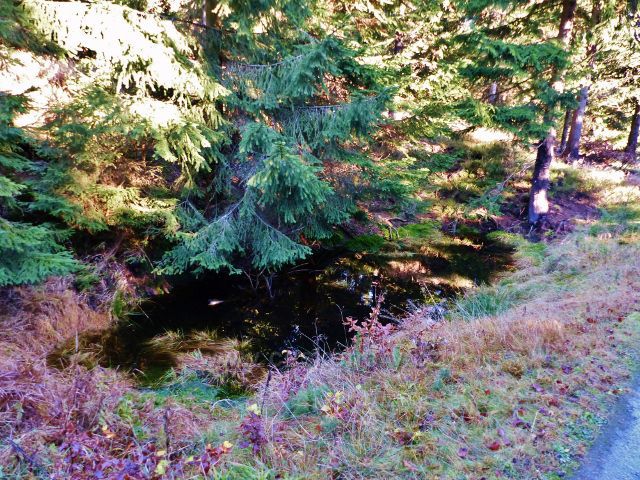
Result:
[565,130]
[209,16]
[538,202]
[566,20]
[572,149]
[632,143]
[493,93]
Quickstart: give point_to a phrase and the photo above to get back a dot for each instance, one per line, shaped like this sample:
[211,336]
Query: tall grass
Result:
[484,303]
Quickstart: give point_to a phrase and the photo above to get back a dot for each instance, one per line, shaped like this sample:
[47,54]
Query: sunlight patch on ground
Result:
[489,135]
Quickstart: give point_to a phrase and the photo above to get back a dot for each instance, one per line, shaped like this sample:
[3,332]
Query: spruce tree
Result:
[259,106]
[507,47]
[31,248]
[296,99]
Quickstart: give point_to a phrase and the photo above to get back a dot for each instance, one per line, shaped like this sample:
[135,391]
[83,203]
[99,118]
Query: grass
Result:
[514,382]
[484,303]
[515,389]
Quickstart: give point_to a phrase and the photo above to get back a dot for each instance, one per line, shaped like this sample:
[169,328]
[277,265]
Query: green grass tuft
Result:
[484,303]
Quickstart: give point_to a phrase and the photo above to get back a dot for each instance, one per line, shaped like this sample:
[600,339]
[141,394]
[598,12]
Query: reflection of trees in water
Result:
[305,312]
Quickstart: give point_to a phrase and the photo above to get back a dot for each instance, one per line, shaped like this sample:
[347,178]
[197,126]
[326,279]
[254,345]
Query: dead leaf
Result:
[494,446]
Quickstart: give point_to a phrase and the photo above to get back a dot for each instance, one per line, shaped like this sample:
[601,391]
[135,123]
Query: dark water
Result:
[304,309]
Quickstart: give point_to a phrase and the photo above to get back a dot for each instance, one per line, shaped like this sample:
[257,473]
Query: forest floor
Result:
[514,381]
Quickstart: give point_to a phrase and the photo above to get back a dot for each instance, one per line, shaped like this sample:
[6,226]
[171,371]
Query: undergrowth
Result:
[513,382]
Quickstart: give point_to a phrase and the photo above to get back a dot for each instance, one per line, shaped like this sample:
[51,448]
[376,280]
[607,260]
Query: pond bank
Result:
[302,311]
[514,384]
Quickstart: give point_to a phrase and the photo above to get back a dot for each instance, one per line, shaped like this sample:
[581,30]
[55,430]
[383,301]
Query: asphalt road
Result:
[616,453]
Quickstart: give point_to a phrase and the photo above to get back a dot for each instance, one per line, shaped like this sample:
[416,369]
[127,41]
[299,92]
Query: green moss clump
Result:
[366,243]
[307,401]
[535,252]
[421,230]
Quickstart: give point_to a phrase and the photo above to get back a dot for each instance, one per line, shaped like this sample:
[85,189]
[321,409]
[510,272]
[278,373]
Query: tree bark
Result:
[572,149]
[493,93]
[632,142]
[209,16]
[565,130]
[566,20]
[538,202]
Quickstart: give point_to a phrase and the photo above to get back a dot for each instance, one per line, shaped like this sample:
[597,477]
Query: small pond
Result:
[303,311]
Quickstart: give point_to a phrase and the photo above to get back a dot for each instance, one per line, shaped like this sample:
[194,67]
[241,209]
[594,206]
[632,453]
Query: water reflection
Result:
[218,314]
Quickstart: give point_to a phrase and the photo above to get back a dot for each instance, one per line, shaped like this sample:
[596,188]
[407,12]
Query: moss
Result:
[360,215]
[634,318]
[86,278]
[366,243]
[421,231]
[532,251]
[119,305]
[437,162]
[307,400]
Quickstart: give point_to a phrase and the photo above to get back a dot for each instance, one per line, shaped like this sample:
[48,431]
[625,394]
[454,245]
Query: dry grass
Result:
[584,277]
[39,404]
[46,413]
[36,319]
[513,395]
[35,400]
[513,383]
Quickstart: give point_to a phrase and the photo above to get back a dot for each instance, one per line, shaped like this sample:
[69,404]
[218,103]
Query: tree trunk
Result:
[493,93]
[565,130]
[572,150]
[566,20]
[632,143]
[538,203]
[209,16]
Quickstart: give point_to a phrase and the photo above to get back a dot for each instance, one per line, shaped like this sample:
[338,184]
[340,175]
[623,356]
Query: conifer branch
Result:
[239,66]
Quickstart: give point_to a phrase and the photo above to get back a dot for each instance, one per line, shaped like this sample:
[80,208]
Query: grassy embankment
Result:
[513,383]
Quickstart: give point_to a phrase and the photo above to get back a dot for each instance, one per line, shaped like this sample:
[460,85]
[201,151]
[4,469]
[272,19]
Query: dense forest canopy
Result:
[190,136]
